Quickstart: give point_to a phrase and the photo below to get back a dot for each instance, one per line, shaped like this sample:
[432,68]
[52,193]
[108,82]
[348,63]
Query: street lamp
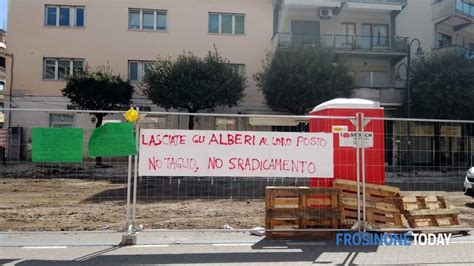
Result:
[407,65]
[419,51]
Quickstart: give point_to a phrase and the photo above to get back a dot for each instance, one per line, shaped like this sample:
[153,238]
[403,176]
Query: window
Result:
[238,68]
[137,70]
[213,23]
[79,17]
[349,31]
[226,23]
[369,79]
[60,68]
[374,35]
[225,124]
[2,85]
[64,16]
[380,35]
[61,120]
[134,19]
[147,19]
[161,20]
[444,40]
[64,68]
[471,46]
[2,61]
[51,16]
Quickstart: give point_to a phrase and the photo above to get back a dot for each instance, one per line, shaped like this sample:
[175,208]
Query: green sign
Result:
[112,140]
[57,145]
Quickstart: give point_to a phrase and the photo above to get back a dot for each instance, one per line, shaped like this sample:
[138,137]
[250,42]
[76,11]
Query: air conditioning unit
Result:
[325,12]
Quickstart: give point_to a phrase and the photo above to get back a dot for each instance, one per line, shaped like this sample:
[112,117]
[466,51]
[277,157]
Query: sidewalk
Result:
[100,248]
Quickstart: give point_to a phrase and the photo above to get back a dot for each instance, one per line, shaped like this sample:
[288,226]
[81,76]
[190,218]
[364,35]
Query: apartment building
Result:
[440,25]
[364,32]
[64,35]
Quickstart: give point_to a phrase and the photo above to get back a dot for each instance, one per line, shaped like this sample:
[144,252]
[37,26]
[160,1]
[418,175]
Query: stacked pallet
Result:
[429,211]
[290,208]
[382,210]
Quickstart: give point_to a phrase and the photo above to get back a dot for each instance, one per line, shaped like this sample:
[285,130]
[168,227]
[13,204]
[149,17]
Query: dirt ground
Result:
[75,204]
[71,204]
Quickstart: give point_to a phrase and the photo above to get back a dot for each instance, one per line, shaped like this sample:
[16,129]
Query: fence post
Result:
[129,188]
[363,170]
[135,175]
[130,237]
[358,171]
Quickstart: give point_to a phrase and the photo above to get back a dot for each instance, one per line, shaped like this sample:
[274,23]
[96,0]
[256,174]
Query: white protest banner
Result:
[235,153]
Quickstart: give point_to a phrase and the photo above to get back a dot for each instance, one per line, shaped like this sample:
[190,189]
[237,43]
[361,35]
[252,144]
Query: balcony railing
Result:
[342,42]
[469,54]
[464,8]
[391,2]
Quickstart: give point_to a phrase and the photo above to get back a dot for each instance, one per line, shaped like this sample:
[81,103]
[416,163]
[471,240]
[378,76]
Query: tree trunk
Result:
[191,122]
[437,145]
[98,123]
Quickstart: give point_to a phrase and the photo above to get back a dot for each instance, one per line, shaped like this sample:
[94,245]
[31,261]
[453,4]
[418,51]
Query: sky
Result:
[3,13]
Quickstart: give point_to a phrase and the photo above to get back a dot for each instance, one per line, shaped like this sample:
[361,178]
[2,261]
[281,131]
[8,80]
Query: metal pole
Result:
[407,83]
[358,172]
[409,105]
[135,171]
[363,170]
[129,184]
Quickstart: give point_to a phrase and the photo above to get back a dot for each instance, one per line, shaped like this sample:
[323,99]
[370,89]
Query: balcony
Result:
[388,2]
[458,14]
[469,54]
[464,8]
[351,44]
[339,3]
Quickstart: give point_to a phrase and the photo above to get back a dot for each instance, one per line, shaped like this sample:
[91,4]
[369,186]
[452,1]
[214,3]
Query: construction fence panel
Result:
[88,195]
[277,202]
[426,163]
[411,173]
[51,196]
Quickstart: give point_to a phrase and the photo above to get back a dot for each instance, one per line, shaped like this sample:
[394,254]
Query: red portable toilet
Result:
[344,139]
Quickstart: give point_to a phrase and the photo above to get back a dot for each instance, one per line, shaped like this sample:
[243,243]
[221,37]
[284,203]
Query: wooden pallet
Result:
[429,211]
[290,208]
[381,205]
[420,200]
[373,193]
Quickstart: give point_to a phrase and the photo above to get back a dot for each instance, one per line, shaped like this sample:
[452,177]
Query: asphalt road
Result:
[100,248]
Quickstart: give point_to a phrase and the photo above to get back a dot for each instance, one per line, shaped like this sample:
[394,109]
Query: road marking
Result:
[233,244]
[44,247]
[148,246]
[460,242]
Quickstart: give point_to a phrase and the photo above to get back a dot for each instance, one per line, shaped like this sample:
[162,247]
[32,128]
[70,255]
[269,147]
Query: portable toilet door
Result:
[344,131]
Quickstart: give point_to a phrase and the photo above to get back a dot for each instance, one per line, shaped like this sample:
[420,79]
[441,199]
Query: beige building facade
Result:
[63,35]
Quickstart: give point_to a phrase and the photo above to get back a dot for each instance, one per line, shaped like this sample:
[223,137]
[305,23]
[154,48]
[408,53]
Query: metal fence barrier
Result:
[410,155]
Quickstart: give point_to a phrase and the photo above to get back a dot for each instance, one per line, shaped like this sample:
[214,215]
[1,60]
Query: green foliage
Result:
[98,90]
[442,86]
[296,80]
[191,83]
